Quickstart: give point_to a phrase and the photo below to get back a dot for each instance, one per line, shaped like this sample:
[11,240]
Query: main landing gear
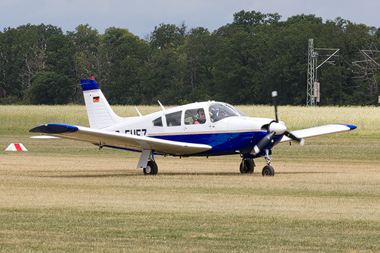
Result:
[147,163]
[248,165]
[151,168]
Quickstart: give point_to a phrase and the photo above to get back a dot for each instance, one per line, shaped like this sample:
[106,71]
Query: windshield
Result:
[241,114]
[220,111]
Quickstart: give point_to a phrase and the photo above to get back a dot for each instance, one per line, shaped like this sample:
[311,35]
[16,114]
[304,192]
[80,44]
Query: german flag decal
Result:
[95,99]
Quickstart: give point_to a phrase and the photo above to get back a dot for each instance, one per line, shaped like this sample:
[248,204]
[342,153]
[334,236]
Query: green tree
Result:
[33,45]
[164,78]
[50,88]
[60,51]
[198,51]
[240,63]
[10,63]
[236,69]
[22,53]
[165,66]
[86,57]
[251,19]
[340,84]
[123,57]
[286,63]
[167,35]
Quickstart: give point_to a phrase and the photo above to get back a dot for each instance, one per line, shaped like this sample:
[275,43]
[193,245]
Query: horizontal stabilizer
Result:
[44,137]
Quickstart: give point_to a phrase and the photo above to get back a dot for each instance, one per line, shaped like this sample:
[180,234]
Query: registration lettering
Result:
[140,132]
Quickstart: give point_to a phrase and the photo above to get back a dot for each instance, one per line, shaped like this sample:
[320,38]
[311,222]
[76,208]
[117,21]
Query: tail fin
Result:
[100,113]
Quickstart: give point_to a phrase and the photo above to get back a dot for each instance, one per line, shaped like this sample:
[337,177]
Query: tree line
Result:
[239,63]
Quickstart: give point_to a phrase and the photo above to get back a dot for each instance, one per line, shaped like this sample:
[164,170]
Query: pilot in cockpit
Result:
[201,117]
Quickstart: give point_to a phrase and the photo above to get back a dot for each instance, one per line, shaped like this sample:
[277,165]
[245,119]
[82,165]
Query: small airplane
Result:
[198,129]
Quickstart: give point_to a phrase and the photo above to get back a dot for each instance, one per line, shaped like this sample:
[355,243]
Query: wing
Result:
[318,131]
[118,140]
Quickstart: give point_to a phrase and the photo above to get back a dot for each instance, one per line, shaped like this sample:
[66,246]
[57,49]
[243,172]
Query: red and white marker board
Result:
[16,147]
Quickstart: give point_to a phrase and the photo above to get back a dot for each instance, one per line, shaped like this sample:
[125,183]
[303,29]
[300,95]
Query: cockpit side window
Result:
[195,116]
[157,122]
[173,119]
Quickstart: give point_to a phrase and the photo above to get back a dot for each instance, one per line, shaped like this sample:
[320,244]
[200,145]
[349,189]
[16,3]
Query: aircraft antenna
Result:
[138,111]
[163,108]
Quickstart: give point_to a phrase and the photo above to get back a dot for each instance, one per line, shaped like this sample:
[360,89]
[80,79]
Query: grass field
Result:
[69,196]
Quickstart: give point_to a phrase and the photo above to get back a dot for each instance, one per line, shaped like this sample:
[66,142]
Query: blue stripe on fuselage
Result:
[223,143]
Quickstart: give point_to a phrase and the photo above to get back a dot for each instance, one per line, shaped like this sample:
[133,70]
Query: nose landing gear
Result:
[247,166]
[268,170]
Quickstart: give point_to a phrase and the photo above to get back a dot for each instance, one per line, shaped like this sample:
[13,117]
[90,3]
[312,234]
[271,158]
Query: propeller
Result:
[274,95]
[286,132]
[274,127]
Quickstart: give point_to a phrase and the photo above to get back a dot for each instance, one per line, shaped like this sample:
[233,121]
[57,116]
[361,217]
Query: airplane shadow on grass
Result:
[137,174]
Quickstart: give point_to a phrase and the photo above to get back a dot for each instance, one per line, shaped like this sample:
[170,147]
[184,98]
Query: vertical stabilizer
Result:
[100,113]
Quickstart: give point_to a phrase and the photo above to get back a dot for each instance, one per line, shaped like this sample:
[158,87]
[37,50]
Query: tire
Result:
[151,168]
[268,171]
[251,164]
[247,166]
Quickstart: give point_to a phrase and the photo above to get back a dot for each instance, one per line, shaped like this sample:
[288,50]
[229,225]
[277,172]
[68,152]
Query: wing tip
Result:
[54,128]
[351,127]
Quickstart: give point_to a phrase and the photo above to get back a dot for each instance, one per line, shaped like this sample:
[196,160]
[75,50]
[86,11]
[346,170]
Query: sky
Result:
[141,17]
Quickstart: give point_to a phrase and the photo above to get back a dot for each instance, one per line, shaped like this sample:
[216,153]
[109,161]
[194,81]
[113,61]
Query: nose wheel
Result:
[268,170]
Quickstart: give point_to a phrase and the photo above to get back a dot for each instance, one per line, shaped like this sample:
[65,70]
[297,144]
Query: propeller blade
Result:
[295,138]
[274,95]
[262,143]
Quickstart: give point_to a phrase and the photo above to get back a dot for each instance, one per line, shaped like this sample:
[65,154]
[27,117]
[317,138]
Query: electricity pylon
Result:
[312,92]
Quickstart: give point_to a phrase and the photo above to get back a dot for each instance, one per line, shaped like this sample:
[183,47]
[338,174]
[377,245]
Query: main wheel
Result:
[247,166]
[268,171]
[151,168]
